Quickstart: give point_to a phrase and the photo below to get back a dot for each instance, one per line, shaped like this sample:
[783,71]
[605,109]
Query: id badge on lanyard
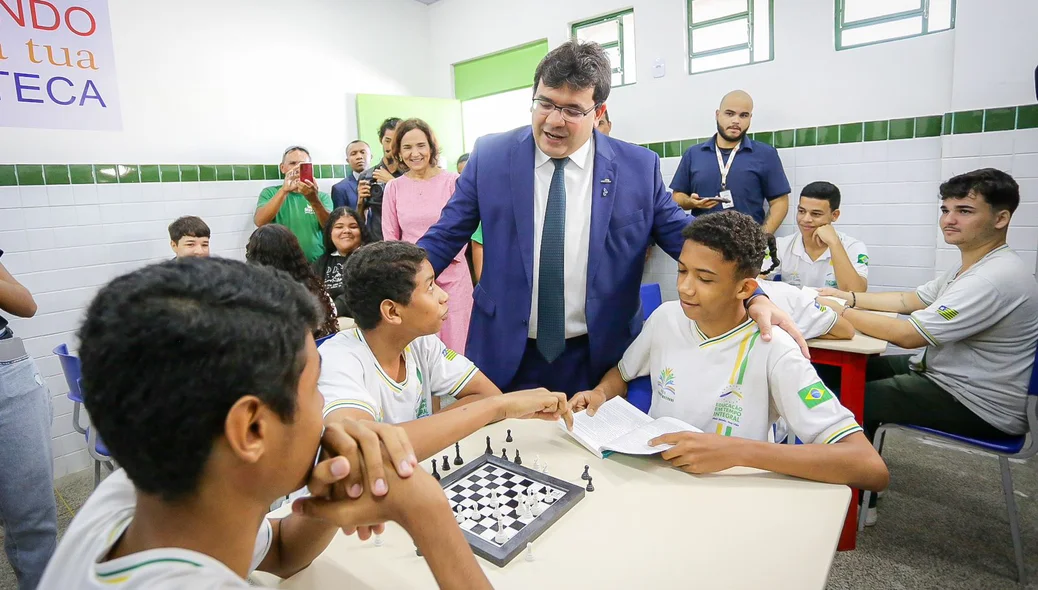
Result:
[725,196]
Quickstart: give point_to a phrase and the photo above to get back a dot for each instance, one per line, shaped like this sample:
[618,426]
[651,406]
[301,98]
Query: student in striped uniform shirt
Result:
[393,368]
[712,370]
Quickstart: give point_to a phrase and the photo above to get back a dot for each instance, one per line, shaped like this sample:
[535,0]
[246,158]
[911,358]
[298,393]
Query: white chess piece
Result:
[529,552]
[500,538]
[378,540]
[537,463]
[544,468]
[536,509]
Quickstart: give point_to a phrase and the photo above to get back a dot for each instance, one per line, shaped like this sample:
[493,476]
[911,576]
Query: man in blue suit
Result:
[345,192]
[567,216]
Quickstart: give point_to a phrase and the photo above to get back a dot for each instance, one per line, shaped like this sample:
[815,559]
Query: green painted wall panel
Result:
[442,114]
[499,72]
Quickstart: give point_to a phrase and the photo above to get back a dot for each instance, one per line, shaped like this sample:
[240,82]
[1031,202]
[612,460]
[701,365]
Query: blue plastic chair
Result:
[639,391]
[1008,447]
[97,450]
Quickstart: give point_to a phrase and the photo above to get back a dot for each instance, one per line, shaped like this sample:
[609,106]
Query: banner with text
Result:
[57,65]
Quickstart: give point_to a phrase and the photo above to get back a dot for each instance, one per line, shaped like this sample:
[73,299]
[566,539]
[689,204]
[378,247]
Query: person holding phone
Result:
[711,178]
[27,507]
[297,203]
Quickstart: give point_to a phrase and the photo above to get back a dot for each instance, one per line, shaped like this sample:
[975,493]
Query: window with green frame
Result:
[615,33]
[728,33]
[863,22]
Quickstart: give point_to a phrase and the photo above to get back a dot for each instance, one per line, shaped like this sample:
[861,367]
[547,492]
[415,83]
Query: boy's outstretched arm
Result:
[851,461]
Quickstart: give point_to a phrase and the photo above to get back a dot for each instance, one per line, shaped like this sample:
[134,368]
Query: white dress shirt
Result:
[580,171]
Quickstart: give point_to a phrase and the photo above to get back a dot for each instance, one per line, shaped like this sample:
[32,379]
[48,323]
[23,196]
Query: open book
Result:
[619,427]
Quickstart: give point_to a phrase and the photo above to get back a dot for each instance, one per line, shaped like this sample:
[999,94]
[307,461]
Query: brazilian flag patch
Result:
[814,394]
[946,312]
[863,259]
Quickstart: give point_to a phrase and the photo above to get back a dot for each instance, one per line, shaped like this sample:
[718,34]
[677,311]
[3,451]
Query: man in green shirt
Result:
[296,204]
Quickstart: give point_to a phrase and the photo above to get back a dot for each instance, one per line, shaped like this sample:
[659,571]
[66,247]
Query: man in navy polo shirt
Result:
[732,171]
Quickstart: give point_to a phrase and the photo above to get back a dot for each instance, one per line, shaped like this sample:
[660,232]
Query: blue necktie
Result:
[551,286]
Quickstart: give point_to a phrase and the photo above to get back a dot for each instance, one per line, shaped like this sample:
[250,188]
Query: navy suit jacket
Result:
[629,205]
[344,193]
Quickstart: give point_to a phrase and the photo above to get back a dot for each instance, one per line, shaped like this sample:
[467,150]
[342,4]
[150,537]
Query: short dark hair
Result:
[577,65]
[463,158]
[380,271]
[823,191]
[168,349]
[410,125]
[387,125]
[737,237]
[356,141]
[998,188]
[189,226]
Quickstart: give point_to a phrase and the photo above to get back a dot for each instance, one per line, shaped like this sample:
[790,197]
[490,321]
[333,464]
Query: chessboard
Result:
[470,491]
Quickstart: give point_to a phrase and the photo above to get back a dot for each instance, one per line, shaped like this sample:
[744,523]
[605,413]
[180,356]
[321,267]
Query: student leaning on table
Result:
[977,322]
[713,371]
[189,507]
[392,368]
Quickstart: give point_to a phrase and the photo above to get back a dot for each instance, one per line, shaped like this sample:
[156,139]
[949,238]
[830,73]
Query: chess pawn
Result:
[528,556]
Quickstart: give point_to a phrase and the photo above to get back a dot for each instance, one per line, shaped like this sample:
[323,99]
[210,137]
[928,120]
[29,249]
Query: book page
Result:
[613,419]
[636,442]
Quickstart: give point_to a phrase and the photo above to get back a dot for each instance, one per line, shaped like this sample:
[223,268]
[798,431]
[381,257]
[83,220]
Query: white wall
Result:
[889,187]
[808,83]
[200,82]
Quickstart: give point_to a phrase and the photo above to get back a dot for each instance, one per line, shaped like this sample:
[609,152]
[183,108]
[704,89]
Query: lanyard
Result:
[725,167]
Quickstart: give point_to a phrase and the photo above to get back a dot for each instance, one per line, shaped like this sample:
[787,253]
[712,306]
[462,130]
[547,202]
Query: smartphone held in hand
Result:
[306,172]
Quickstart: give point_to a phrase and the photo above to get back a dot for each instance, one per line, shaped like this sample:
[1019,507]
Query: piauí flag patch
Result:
[449,354]
[814,394]
[863,259]
[946,312]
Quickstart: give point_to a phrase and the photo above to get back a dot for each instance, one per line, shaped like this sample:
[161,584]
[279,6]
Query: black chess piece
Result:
[585,476]
[457,454]
[504,454]
[518,459]
[446,464]
[435,474]
[590,487]
[509,437]
[489,450]
[418,551]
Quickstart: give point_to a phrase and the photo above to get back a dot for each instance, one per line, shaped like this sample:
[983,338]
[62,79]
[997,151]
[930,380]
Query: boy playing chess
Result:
[392,365]
[201,377]
[716,373]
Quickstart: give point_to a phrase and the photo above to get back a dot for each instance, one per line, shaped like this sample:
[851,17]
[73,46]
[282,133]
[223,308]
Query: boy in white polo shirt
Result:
[713,370]
[819,256]
[201,377]
[814,319]
[392,366]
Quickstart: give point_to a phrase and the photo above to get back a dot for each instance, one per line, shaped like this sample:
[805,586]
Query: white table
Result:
[646,525]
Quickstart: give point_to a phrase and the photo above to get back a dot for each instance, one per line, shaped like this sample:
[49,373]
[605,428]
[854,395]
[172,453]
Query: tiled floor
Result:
[942,524]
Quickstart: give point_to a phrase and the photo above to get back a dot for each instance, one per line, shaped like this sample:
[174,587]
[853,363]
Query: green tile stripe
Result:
[56,174]
[973,121]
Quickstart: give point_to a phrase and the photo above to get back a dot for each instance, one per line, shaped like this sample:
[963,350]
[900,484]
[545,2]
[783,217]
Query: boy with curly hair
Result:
[714,372]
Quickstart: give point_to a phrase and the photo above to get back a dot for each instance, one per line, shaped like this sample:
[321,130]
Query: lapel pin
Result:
[605,192]
[606,181]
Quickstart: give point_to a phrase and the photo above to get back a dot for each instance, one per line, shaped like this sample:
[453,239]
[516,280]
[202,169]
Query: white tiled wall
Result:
[64,242]
[890,199]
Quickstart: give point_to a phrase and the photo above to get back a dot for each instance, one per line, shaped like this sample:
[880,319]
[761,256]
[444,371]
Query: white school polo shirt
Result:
[982,328]
[735,384]
[812,318]
[78,563]
[352,378]
[797,268]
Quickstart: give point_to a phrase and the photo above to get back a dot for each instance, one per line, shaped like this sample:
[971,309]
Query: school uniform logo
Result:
[946,312]
[449,354]
[665,384]
[728,410]
[821,307]
[309,210]
[815,394]
[863,259]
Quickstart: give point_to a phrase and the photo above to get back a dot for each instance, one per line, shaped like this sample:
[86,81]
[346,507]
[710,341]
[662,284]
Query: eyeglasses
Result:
[544,106]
